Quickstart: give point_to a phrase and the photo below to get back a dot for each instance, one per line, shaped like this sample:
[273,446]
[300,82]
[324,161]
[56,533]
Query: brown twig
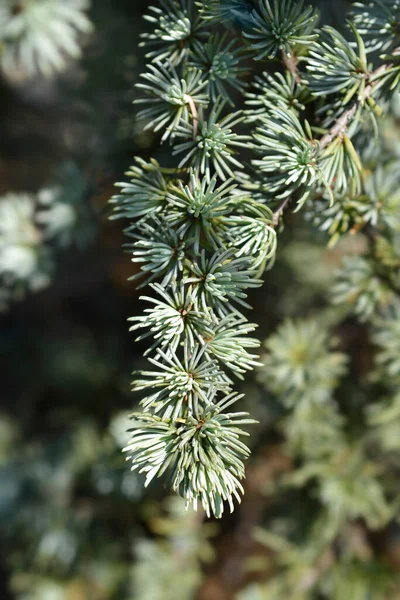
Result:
[340,126]
[278,213]
[343,121]
[291,61]
[195,115]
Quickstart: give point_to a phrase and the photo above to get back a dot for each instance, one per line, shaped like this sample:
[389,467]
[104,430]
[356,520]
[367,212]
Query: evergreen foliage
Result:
[206,228]
[274,124]
[39,36]
[34,229]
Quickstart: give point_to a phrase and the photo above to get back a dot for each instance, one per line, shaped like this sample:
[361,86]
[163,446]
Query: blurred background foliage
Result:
[75,523]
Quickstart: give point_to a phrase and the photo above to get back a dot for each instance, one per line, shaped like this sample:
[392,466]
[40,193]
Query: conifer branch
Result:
[204,231]
[342,123]
[291,61]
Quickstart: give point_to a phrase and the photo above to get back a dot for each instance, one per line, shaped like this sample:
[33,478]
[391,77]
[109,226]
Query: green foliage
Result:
[335,67]
[23,260]
[378,21]
[204,453]
[158,249]
[198,209]
[276,90]
[383,422]
[176,26]
[375,205]
[237,12]
[33,230]
[204,230]
[279,26]
[386,337]
[341,166]
[348,214]
[220,61]
[382,189]
[189,381]
[349,487]
[301,149]
[169,97]
[148,187]
[211,145]
[221,281]
[288,155]
[229,343]
[306,572]
[299,363]
[176,555]
[173,317]
[39,36]
[359,287]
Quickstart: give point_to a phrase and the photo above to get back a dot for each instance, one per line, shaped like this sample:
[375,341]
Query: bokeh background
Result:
[75,523]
